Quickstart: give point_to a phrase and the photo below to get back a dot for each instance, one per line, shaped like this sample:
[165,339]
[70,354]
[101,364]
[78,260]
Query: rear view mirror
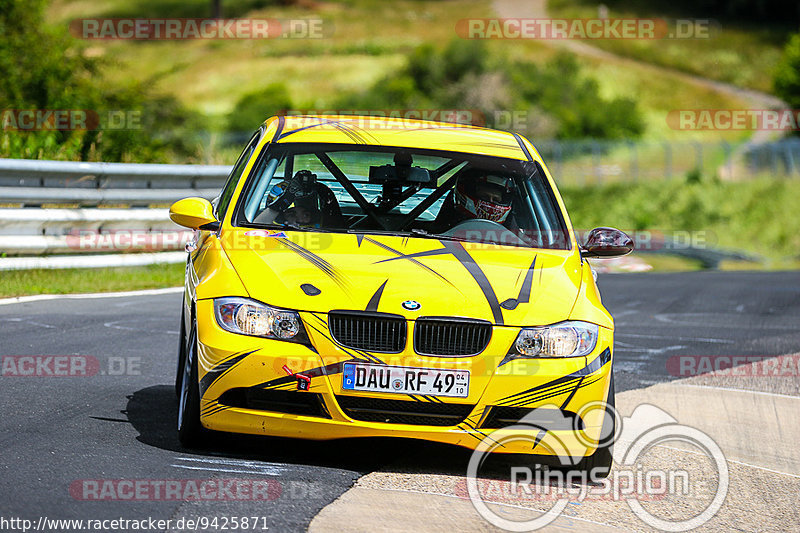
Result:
[402,174]
[192,213]
[607,242]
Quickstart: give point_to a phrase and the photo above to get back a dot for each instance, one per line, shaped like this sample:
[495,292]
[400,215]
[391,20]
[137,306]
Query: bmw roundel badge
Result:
[411,305]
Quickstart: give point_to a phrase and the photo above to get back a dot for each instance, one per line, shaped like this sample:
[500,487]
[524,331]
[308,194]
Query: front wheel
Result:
[190,430]
[598,465]
[181,355]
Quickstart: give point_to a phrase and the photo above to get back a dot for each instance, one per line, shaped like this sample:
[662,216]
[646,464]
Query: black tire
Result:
[598,465]
[190,431]
[181,355]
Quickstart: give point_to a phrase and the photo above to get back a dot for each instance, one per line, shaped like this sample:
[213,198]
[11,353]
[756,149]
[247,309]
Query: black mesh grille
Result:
[451,337]
[374,332]
[551,419]
[277,401]
[404,412]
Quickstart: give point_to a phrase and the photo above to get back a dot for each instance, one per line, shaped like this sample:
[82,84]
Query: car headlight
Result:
[565,339]
[249,317]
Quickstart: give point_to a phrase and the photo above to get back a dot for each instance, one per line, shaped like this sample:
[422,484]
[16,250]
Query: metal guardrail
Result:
[31,231]
[28,229]
[32,196]
[31,182]
[91,261]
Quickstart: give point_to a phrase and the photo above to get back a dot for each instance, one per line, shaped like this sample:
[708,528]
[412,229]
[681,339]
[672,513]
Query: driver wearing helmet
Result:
[479,195]
[301,201]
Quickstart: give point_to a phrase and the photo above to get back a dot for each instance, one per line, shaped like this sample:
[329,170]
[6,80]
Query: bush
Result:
[253,108]
[787,73]
[562,101]
[757,216]
[560,89]
[44,68]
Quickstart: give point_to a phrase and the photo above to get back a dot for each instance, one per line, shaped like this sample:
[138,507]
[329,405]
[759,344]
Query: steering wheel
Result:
[485,231]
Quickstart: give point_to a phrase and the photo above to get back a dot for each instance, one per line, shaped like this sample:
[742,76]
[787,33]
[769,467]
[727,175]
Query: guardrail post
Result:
[634,160]
[667,159]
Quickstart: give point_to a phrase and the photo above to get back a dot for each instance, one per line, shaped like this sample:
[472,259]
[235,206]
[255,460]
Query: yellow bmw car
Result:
[367,277]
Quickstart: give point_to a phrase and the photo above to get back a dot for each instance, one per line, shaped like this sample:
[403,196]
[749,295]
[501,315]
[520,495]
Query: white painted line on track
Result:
[749,465]
[88,296]
[116,325]
[263,471]
[492,503]
[698,339]
[683,319]
[31,322]
[730,389]
[624,347]
[239,462]
[228,466]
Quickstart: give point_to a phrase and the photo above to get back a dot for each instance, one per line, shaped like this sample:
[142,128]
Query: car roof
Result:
[398,132]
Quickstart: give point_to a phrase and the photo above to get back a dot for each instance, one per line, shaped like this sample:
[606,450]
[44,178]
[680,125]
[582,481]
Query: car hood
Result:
[413,277]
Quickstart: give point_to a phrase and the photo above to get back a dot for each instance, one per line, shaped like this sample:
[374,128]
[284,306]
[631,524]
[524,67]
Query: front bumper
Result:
[565,387]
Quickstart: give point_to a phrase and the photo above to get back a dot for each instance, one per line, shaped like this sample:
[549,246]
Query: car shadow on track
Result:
[153,413]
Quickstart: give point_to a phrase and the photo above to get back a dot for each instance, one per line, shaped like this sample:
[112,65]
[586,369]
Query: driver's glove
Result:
[292,190]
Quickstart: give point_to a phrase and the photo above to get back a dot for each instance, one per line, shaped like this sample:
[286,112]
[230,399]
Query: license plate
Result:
[405,380]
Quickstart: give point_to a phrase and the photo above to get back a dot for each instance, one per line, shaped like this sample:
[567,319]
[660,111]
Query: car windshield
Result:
[400,191]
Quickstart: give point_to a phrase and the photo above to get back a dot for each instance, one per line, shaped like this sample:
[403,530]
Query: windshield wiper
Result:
[295,227]
[425,235]
[416,232]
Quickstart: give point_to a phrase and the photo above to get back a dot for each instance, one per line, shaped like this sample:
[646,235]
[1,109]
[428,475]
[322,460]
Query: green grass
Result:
[758,217]
[365,40]
[88,280]
[646,160]
[657,94]
[669,263]
[743,54]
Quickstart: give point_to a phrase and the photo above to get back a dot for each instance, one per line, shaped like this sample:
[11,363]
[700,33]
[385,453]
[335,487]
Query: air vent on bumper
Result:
[551,419]
[276,401]
[404,412]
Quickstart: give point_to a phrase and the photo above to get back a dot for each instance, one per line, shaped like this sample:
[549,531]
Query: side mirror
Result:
[193,213]
[607,242]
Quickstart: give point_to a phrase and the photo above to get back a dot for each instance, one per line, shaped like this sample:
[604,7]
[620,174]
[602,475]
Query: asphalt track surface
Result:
[118,424]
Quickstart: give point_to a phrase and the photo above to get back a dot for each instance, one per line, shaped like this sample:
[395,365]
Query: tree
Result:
[787,74]
[44,68]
